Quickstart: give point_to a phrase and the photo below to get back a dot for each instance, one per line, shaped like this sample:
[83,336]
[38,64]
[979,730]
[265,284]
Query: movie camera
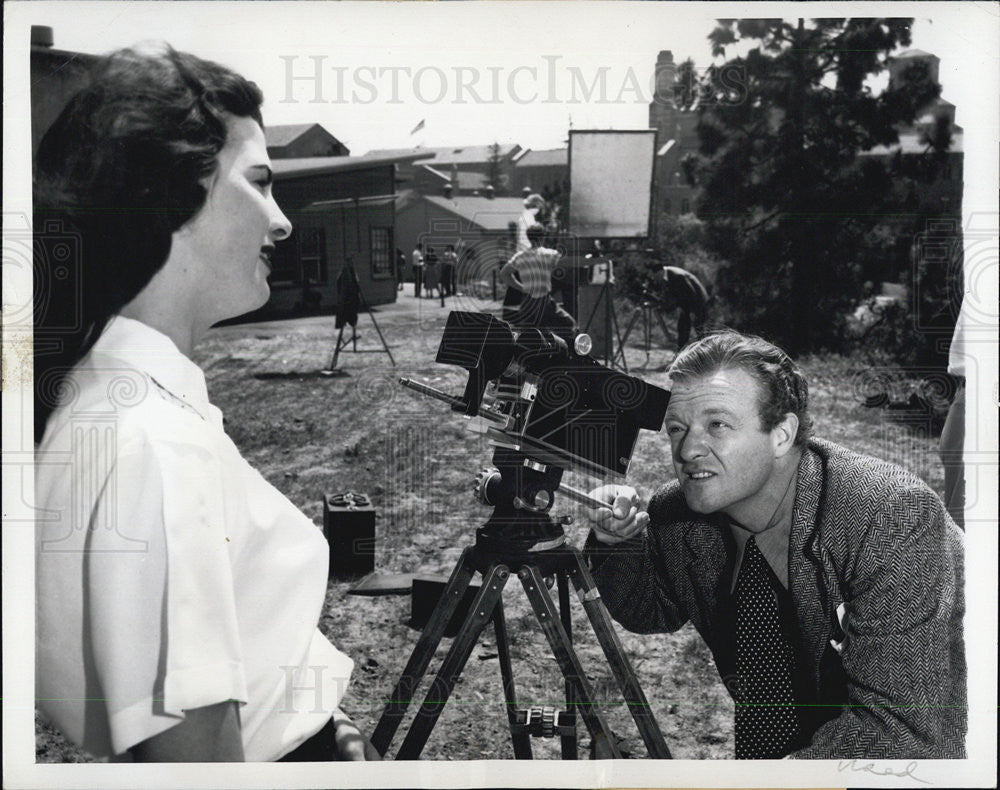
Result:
[546,407]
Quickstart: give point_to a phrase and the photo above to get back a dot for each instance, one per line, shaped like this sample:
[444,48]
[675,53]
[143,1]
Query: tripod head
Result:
[545,408]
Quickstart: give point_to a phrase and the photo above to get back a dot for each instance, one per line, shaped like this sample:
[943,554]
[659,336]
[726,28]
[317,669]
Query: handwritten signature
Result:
[881,770]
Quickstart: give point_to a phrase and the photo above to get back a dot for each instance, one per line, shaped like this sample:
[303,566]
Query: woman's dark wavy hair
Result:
[783,387]
[123,167]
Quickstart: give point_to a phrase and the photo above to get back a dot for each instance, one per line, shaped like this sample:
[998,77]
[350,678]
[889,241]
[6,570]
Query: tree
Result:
[923,250]
[494,169]
[786,199]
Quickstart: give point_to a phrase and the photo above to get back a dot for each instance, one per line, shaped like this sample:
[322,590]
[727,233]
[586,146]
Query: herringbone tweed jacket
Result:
[865,534]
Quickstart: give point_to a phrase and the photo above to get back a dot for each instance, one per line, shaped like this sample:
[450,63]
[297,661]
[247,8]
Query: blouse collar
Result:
[155,354]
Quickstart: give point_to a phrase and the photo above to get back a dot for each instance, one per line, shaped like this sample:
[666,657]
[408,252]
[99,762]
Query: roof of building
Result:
[940,102]
[913,143]
[320,165]
[914,53]
[548,157]
[456,154]
[284,134]
[487,213]
[64,55]
[464,179]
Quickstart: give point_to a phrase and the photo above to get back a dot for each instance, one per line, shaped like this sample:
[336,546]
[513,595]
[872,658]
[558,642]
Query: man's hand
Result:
[623,521]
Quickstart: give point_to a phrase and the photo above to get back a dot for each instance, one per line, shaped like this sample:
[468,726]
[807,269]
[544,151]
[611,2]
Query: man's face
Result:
[722,456]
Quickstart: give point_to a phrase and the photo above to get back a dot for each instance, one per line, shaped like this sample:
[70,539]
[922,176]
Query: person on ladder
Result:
[530,271]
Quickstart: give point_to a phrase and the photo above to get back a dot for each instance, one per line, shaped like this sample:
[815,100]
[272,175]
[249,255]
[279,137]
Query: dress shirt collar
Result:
[773,544]
[152,352]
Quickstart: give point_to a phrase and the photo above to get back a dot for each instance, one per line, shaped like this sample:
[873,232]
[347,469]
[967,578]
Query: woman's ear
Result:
[783,434]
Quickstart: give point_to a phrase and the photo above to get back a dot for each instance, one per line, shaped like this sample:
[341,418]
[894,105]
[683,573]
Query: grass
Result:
[310,435]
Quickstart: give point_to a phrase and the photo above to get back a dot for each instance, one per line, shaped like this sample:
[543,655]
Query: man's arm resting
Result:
[208,734]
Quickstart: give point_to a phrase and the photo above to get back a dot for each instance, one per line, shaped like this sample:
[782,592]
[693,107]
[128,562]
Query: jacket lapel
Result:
[710,565]
[807,576]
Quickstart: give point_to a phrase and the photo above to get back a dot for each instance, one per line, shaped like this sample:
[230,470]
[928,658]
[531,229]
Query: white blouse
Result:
[170,574]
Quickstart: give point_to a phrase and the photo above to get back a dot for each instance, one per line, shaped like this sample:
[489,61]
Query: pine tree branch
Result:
[749,228]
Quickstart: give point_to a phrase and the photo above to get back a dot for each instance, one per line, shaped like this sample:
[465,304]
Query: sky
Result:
[473,73]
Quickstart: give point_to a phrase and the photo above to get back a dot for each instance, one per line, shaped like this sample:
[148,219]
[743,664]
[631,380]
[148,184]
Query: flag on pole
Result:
[417,128]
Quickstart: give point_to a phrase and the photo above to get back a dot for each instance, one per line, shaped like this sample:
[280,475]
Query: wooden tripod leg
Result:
[568,743]
[562,650]
[636,701]
[480,614]
[422,654]
[336,350]
[521,739]
[663,328]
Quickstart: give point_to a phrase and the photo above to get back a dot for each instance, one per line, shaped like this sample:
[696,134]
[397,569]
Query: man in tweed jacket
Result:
[871,561]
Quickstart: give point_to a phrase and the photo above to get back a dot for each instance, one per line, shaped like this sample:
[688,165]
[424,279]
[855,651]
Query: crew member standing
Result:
[418,269]
[432,273]
[400,268]
[449,262]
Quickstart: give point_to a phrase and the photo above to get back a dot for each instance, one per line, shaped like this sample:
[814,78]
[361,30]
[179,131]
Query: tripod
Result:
[352,290]
[646,310]
[496,560]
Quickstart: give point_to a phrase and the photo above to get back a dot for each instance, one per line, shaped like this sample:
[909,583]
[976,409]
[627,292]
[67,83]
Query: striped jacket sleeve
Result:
[634,577]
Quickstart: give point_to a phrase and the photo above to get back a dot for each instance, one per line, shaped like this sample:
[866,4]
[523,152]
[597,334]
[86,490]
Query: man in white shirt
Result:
[418,269]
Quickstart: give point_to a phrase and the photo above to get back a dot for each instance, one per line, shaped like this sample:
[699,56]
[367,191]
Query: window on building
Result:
[685,206]
[667,205]
[381,250]
[312,254]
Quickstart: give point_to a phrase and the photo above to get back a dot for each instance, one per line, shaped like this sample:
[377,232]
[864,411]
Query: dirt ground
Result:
[311,434]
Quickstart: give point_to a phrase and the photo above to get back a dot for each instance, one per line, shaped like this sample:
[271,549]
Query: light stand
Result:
[353,339]
[646,310]
[610,318]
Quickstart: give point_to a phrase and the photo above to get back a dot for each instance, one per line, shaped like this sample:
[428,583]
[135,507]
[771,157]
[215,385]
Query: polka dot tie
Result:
[767,723]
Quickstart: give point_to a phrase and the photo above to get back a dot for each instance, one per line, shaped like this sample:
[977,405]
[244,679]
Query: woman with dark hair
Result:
[178,593]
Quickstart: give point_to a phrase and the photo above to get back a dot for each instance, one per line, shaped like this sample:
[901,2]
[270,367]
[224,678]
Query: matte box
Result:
[349,527]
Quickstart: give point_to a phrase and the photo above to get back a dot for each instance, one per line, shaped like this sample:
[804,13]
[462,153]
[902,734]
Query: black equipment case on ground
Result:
[349,527]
